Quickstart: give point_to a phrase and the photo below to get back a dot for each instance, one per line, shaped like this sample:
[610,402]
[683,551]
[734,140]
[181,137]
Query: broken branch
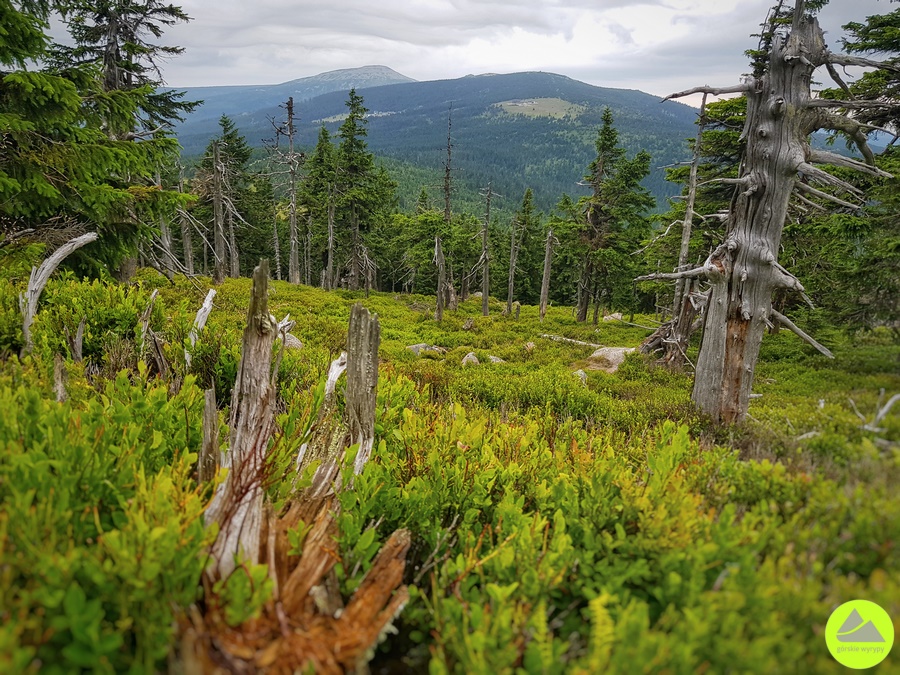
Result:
[790,325]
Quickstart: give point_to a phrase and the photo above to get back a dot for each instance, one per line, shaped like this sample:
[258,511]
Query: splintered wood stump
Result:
[306,626]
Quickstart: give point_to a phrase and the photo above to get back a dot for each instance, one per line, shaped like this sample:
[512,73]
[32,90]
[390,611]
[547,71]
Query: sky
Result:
[656,46]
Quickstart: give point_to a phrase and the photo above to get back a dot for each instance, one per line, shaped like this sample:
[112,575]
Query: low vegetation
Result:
[557,526]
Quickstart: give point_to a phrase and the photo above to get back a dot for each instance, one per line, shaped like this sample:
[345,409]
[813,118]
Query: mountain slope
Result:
[520,130]
[239,100]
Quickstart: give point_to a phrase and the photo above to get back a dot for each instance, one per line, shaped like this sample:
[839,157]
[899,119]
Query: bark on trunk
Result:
[275,242]
[329,268]
[363,340]
[584,293]
[485,256]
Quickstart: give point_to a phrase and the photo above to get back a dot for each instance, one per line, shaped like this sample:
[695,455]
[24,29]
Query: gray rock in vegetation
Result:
[608,359]
[292,342]
[424,347]
[613,317]
[470,359]
[496,359]
[581,375]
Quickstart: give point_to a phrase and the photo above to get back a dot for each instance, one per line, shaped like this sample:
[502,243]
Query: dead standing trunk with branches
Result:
[744,271]
[485,256]
[545,279]
[218,199]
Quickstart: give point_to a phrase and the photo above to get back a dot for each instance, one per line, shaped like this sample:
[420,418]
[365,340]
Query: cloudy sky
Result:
[657,46]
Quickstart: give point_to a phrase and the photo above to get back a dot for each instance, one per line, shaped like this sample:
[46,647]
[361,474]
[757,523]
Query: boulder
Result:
[608,359]
[496,359]
[470,359]
[424,347]
[617,316]
[581,375]
[469,323]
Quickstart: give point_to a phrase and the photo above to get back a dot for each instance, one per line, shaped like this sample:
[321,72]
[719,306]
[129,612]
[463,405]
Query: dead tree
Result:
[744,271]
[673,337]
[187,241]
[218,199]
[513,255]
[238,504]
[28,301]
[545,280]
[485,256]
[440,295]
[292,160]
[306,627]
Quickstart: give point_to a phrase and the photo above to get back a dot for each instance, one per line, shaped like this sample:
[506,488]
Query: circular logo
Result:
[859,634]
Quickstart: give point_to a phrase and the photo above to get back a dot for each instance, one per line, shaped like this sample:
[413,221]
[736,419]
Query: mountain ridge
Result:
[511,145]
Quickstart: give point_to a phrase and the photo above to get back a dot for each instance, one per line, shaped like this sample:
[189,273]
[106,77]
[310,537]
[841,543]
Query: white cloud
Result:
[657,46]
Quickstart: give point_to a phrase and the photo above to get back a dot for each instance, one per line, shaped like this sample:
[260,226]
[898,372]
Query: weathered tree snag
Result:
[208,462]
[237,505]
[513,255]
[545,280]
[28,301]
[441,280]
[673,337]
[744,271]
[187,241]
[306,628]
[60,378]
[485,256]
[363,339]
[199,322]
[218,197]
[76,344]
[293,236]
[233,255]
[329,267]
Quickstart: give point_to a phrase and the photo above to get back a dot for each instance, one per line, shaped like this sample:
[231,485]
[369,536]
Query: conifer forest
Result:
[282,403]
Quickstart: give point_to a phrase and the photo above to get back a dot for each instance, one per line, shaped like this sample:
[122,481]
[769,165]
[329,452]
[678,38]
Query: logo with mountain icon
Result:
[859,634]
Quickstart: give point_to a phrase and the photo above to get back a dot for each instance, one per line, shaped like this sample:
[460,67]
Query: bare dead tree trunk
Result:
[545,280]
[293,236]
[687,224]
[355,254]
[441,280]
[234,256]
[218,215]
[363,340]
[187,240]
[485,256]
[275,241]
[28,301]
[237,505]
[744,271]
[307,250]
[584,290]
[208,462]
[513,254]
[329,267]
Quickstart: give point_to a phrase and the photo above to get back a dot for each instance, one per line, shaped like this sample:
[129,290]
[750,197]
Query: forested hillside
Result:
[546,152]
[433,382]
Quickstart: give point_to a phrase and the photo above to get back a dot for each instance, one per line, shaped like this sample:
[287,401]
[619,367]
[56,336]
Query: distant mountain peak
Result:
[377,73]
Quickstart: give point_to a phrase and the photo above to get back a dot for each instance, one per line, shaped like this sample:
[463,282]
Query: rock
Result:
[608,359]
[470,359]
[292,342]
[496,359]
[613,317]
[581,375]
[468,324]
[476,295]
[424,347]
